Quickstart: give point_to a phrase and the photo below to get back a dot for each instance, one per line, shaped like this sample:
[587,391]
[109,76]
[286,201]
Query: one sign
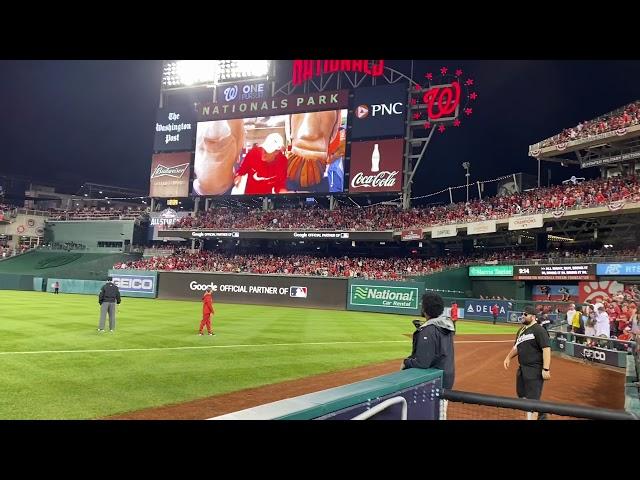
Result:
[135,283]
[175,130]
[303,102]
[526,221]
[491,271]
[172,201]
[590,291]
[242,91]
[389,297]
[408,235]
[444,231]
[482,227]
[170,175]
[379,111]
[555,272]
[376,166]
[618,269]
[482,309]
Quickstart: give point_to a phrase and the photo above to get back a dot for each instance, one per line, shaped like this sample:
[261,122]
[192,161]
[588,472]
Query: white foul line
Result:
[155,349]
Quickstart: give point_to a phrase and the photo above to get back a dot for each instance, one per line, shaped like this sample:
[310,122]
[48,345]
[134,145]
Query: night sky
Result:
[77,121]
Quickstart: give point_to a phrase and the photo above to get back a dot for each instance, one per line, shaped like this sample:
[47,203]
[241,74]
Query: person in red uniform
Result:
[207,311]
[454,313]
[266,167]
[495,310]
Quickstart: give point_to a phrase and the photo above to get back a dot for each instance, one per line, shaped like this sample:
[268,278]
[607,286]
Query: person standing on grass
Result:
[454,313]
[495,310]
[108,298]
[207,311]
[56,287]
[534,354]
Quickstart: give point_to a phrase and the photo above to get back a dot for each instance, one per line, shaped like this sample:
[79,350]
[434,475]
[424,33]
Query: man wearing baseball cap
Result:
[534,355]
[265,167]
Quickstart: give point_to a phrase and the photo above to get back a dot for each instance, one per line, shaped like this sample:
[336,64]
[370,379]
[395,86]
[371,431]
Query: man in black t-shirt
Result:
[534,355]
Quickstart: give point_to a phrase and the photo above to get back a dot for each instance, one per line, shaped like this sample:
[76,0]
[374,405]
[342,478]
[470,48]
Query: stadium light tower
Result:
[466,166]
[190,73]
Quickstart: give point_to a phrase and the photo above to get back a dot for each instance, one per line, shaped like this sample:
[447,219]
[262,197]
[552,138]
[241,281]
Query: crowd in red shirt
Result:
[622,118]
[591,193]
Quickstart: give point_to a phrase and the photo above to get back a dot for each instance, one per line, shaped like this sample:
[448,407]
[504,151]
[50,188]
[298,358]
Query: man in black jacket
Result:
[433,341]
[109,296]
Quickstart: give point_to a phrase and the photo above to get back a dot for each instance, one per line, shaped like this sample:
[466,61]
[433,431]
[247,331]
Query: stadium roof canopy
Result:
[610,140]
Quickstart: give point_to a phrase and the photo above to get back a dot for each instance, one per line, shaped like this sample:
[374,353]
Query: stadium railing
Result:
[477,406]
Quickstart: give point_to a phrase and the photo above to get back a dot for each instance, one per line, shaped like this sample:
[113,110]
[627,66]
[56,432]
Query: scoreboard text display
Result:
[555,272]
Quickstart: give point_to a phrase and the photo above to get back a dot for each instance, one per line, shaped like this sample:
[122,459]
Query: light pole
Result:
[466,166]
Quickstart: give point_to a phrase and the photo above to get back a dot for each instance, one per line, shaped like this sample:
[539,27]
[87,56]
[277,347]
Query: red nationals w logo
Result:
[447,99]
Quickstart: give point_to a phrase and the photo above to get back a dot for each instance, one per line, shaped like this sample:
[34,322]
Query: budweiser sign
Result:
[175,172]
[170,174]
[408,235]
[382,179]
[376,166]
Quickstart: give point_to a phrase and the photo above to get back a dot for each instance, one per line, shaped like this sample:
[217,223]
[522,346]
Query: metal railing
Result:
[383,406]
[526,405]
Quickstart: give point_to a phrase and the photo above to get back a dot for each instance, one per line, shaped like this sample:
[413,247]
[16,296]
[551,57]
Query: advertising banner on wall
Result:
[444,231]
[597,355]
[164,220]
[589,291]
[135,283]
[618,269]
[175,130]
[294,235]
[555,272]
[282,290]
[379,111]
[385,297]
[481,309]
[376,166]
[270,155]
[491,271]
[526,221]
[170,175]
[478,228]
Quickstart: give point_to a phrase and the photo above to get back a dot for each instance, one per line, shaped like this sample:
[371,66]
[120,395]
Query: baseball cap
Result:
[529,310]
[273,142]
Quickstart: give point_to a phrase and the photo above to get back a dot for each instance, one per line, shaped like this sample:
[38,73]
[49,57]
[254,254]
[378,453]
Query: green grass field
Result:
[54,365]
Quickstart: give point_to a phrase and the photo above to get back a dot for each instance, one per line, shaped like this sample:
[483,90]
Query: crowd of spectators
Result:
[621,118]
[394,268]
[557,198]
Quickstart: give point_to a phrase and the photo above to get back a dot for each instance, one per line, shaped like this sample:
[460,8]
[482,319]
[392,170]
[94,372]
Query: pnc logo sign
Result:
[379,110]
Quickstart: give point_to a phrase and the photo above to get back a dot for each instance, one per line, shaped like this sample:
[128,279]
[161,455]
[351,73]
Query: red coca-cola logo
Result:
[446,98]
[381,179]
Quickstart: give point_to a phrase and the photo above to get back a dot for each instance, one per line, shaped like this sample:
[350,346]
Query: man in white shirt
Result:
[603,328]
[570,314]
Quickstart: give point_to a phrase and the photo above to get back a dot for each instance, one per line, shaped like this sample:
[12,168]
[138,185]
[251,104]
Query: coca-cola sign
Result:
[170,174]
[382,179]
[376,166]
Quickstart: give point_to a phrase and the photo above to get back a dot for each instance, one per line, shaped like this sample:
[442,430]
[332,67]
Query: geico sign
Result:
[134,283]
[594,354]
[380,109]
